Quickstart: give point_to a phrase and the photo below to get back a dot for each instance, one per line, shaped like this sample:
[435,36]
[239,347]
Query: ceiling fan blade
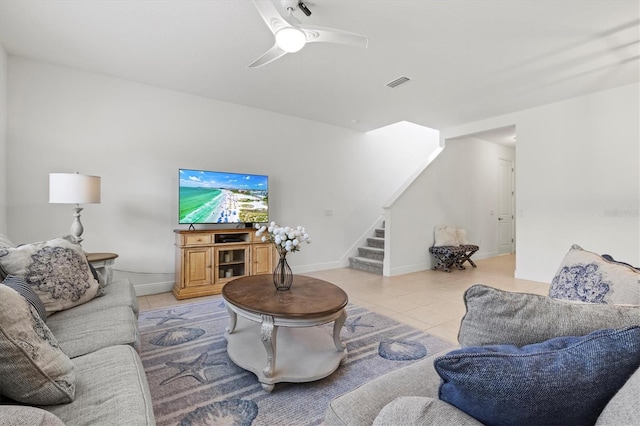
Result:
[331,35]
[271,55]
[271,16]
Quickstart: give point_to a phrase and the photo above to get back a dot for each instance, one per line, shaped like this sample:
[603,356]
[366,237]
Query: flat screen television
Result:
[222,197]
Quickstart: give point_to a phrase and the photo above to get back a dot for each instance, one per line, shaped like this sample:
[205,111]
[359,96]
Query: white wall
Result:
[136,137]
[577,180]
[460,187]
[481,162]
[3,140]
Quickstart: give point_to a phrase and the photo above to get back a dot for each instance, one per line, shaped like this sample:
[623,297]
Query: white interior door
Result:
[506,194]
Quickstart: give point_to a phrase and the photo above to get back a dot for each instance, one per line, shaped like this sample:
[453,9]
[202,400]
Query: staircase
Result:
[370,258]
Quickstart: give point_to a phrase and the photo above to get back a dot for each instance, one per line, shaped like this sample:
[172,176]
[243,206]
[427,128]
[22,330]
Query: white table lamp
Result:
[74,188]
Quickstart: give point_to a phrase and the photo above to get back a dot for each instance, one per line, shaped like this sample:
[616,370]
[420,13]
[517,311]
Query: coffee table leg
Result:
[233,318]
[268,333]
[267,387]
[337,327]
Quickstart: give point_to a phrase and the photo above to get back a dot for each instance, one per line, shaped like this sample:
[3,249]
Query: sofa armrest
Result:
[422,410]
[624,407]
[23,415]
[361,405]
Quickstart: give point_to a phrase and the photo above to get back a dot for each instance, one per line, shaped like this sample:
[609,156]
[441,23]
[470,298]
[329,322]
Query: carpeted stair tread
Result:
[373,249]
[375,242]
[367,260]
[366,264]
[370,257]
[371,253]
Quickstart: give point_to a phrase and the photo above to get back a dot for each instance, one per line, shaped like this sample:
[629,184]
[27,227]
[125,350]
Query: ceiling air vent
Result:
[398,81]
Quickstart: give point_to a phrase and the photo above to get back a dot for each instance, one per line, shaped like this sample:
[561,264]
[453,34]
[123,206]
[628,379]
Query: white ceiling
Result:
[467,59]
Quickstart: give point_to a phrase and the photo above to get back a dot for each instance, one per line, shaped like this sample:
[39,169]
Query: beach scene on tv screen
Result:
[217,197]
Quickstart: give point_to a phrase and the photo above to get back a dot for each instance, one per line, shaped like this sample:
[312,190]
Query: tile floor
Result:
[427,300]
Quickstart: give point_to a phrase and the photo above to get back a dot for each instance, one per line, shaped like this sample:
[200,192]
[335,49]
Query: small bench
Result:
[468,251]
[451,248]
[447,257]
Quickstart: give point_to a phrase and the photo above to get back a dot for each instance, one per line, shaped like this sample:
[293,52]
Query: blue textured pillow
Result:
[563,381]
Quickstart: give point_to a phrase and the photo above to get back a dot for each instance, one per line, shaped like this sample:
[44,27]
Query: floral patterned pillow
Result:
[57,271]
[33,368]
[584,276]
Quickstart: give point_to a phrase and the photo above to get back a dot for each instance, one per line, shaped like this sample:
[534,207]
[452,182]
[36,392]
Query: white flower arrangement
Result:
[285,239]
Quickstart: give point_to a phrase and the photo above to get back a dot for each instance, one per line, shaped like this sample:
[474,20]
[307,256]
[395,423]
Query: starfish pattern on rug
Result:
[193,369]
[352,324]
[171,315]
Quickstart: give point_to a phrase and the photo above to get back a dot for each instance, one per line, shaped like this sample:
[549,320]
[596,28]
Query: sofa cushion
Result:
[565,380]
[624,407]
[90,332]
[57,270]
[497,317]
[422,410]
[111,390]
[33,368]
[22,415]
[118,293]
[361,405]
[588,277]
[27,292]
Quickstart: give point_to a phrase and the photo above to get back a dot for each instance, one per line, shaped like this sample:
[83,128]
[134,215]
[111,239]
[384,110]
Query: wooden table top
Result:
[95,257]
[307,298]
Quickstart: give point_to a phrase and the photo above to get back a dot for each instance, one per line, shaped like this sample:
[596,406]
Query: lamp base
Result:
[76,226]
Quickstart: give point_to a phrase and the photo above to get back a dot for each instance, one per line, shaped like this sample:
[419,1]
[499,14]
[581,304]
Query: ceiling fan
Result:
[291,35]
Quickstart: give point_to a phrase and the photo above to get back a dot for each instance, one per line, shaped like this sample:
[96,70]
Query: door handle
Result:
[499,218]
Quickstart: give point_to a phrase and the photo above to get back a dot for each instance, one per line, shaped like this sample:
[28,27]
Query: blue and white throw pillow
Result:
[587,277]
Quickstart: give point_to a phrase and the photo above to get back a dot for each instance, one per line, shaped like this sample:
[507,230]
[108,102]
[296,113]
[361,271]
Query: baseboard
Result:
[484,255]
[153,288]
[425,266]
[408,269]
[147,283]
[343,263]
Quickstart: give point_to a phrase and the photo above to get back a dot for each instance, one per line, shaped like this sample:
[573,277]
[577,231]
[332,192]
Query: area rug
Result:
[193,382]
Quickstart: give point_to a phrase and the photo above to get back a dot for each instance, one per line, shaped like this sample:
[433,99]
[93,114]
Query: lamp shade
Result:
[73,188]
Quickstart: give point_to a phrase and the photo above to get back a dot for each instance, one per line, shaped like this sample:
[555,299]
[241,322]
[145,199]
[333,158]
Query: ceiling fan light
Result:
[290,39]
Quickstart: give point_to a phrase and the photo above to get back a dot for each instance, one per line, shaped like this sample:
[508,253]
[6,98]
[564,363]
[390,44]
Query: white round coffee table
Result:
[277,335]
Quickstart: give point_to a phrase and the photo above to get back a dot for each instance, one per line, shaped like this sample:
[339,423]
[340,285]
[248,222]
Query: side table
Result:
[103,264]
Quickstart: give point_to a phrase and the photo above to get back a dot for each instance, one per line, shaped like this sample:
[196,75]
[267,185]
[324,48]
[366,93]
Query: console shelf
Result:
[206,260]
